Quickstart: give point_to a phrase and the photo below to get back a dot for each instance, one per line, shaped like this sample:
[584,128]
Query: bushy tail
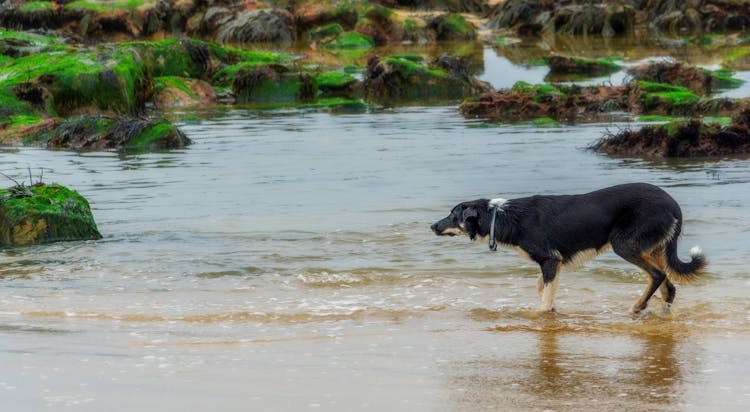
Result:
[680,271]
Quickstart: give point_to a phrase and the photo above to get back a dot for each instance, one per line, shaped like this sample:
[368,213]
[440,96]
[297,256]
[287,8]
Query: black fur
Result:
[641,222]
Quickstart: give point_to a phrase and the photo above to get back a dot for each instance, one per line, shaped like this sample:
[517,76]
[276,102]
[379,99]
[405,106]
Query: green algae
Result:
[151,136]
[80,79]
[545,122]
[24,120]
[37,6]
[653,118]
[539,91]
[334,79]
[414,57]
[720,120]
[725,80]
[330,30]
[667,96]
[350,40]
[52,213]
[410,67]
[167,82]
[99,6]
[458,25]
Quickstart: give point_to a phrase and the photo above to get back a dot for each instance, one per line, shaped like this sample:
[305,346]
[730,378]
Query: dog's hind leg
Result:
[655,280]
[629,251]
[547,284]
[668,292]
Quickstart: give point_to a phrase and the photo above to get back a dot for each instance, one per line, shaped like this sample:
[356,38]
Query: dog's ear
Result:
[468,212]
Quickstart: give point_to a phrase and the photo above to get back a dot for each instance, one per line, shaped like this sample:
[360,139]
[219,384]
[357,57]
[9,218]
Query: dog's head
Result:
[464,220]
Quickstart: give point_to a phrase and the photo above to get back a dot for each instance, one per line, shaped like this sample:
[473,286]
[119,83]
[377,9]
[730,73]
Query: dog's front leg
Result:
[547,284]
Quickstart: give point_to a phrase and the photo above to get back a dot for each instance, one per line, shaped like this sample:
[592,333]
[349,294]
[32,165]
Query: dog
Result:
[638,221]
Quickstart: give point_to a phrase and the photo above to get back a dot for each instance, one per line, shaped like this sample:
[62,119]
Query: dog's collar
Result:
[495,211]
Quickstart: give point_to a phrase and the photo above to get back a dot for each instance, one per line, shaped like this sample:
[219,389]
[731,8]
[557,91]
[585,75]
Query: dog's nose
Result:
[434,227]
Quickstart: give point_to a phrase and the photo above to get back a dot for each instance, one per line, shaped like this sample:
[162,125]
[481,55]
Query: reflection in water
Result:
[559,368]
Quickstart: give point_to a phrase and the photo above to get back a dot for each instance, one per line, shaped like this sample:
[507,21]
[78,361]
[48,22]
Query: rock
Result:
[273,84]
[41,213]
[454,6]
[697,80]
[525,102]
[64,83]
[350,41]
[380,24]
[681,138]
[580,66]
[253,26]
[317,14]
[174,92]
[339,84]
[452,27]
[32,15]
[97,132]
[606,19]
[396,79]
[580,18]
[662,98]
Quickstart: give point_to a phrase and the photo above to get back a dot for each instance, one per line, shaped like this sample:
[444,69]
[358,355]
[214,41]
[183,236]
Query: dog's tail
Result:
[680,271]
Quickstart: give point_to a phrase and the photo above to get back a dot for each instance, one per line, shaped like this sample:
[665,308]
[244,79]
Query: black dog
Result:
[641,223]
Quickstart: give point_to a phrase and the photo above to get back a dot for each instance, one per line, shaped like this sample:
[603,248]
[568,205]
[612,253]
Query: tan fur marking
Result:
[643,300]
[580,258]
[549,290]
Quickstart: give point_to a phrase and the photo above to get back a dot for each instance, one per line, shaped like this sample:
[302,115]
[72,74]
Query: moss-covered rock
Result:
[681,138]
[524,102]
[96,132]
[328,31]
[564,65]
[273,84]
[32,15]
[134,18]
[316,14]
[42,213]
[350,41]
[103,79]
[650,97]
[338,84]
[697,80]
[399,80]
[452,27]
[172,92]
[16,44]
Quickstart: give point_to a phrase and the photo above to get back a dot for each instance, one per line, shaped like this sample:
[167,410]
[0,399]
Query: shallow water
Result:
[284,262]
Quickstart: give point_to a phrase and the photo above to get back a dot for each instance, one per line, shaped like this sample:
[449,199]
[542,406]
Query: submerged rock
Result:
[43,213]
[97,132]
